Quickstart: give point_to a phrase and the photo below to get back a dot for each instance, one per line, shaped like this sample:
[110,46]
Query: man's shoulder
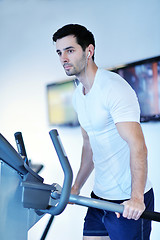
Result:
[108,80]
[106,75]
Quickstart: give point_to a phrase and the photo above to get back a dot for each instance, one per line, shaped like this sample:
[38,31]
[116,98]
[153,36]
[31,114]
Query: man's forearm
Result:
[85,170]
[139,168]
[134,207]
[132,133]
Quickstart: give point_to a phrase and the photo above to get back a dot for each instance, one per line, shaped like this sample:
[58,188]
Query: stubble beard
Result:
[77,68]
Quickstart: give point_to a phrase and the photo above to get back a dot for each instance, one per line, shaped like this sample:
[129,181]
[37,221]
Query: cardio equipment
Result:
[24,198]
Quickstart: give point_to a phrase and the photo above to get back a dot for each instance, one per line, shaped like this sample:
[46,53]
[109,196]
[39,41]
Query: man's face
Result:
[71,55]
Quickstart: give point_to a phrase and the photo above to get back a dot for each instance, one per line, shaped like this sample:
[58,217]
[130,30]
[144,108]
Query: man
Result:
[113,142]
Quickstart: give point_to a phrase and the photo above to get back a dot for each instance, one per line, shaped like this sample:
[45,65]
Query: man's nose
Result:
[64,57]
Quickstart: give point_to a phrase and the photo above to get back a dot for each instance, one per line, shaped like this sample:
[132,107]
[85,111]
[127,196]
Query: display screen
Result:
[60,108]
[144,78]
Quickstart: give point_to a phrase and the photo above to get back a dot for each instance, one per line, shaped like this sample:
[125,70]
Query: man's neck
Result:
[87,78]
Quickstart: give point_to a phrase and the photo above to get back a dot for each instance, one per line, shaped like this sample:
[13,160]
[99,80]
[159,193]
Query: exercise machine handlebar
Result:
[90,202]
[109,206]
[11,157]
[68,176]
[20,146]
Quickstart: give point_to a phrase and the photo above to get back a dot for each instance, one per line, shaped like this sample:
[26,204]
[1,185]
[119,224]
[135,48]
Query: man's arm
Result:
[132,133]
[86,166]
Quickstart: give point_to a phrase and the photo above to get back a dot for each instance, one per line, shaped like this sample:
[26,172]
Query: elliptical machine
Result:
[25,198]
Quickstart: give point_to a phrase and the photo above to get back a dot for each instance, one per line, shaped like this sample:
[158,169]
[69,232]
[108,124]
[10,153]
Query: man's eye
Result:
[70,51]
[59,53]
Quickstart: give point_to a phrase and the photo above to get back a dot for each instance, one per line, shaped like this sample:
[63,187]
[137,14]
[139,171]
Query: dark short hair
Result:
[83,36]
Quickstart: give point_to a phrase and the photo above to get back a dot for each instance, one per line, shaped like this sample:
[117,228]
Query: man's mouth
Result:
[67,66]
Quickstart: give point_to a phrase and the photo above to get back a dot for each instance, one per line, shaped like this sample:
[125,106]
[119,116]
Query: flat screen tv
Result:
[144,78]
[60,108]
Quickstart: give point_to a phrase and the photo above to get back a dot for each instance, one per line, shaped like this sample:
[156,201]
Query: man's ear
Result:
[90,51]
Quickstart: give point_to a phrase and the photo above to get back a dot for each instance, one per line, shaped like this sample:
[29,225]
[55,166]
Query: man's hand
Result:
[133,209]
[74,191]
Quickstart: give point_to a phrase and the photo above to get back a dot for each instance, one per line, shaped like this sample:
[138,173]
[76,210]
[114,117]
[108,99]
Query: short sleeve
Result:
[123,103]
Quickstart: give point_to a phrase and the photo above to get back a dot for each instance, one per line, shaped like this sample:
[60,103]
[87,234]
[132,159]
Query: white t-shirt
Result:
[109,101]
